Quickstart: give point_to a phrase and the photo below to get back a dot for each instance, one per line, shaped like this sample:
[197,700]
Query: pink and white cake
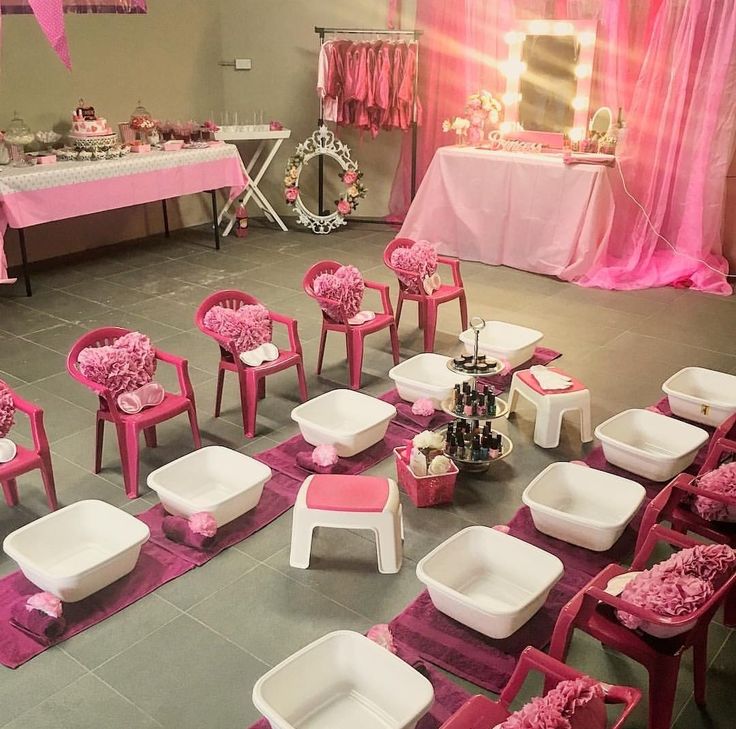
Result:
[89,131]
[85,123]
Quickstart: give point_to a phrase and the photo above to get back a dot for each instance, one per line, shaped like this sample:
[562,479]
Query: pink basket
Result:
[425,490]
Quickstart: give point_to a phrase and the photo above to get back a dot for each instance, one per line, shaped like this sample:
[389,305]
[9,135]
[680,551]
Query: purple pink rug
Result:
[282,458]
[279,496]
[465,653]
[155,567]
[448,696]
[502,381]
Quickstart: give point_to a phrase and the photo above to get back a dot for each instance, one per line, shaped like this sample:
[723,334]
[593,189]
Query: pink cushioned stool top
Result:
[531,381]
[347,493]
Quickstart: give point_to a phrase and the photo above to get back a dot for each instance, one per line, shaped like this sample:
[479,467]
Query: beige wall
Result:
[278,35]
[167,58]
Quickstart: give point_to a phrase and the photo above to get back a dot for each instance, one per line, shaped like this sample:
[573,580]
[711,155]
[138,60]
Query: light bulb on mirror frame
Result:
[513,68]
[506,127]
[579,103]
[583,70]
[539,27]
[577,134]
[510,97]
[513,37]
[563,28]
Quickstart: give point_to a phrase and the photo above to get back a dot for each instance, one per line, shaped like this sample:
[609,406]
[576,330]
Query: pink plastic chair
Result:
[670,505]
[128,427]
[480,712]
[427,305]
[252,379]
[592,611]
[28,460]
[354,335]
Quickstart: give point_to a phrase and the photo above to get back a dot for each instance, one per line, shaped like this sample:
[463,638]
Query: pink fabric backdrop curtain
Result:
[676,156]
[463,44]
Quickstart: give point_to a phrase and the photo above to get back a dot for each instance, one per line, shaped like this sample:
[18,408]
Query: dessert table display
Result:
[524,210]
[264,135]
[44,193]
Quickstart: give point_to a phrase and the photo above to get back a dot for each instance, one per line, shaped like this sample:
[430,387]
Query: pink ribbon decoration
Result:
[50,16]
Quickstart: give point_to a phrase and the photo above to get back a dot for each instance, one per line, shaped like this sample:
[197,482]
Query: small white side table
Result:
[263,137]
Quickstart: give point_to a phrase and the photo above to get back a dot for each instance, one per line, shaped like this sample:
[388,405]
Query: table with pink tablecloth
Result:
[44,193]
[527,211]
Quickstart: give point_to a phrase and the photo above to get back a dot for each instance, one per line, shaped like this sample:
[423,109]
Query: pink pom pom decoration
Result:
[203,523]
[721,481]
[381,634]
[248,327]
[418,261]
[325,456]
[344,289]
[679,585]
[46,603]
[7,409]
[125,365]
[423,407]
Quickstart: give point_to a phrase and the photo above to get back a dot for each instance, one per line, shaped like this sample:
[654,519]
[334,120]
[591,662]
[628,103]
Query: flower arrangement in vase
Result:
[481,110]
[427,457]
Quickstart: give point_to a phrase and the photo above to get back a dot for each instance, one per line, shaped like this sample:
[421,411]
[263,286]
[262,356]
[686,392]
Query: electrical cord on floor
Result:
[658,234]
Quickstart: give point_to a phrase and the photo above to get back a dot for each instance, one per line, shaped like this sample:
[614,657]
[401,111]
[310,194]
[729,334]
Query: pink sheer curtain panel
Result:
[680,142]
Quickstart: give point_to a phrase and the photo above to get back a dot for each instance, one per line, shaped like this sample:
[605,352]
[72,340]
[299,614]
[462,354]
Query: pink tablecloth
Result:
[33,195]
[528,211]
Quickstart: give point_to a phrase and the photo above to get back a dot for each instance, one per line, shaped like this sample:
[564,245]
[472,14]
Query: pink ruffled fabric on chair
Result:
[346,287]
[250,326]
[125,365]
[7,409]
[721,481]
[420,259]
[678,585]
[574,704]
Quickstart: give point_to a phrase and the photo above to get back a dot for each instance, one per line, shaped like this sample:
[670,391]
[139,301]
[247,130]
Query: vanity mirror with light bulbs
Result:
[548,80]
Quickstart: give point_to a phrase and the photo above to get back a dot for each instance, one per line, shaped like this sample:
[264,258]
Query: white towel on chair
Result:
[549,380]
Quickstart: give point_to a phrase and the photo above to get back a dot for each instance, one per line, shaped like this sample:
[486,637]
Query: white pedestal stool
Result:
[551,405]
[348,502]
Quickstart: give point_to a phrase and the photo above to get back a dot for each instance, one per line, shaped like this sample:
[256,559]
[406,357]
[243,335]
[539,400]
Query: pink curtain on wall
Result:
[676,156]
[463,44]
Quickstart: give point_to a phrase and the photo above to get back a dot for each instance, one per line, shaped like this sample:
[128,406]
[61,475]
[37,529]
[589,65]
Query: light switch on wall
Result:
[243,64]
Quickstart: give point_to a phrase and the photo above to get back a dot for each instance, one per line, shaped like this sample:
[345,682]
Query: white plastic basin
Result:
[490,581]
[703,396]
[343,680]
[76,551]
[215,479]
[504,341]
[425,375]
[346,419]
[581,505]
[650,444]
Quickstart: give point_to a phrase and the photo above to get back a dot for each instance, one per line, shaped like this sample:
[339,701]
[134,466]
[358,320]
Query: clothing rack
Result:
[415,35]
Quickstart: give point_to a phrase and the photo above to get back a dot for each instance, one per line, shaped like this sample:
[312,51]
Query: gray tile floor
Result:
[188,655]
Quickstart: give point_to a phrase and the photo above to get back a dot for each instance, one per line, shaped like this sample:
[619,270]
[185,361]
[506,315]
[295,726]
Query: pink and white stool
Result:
[551,405]
[349,502]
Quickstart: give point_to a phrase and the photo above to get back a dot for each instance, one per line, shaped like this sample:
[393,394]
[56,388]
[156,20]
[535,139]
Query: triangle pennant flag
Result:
[50,16]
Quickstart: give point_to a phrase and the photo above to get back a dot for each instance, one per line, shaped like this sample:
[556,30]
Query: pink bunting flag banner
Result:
[19,7]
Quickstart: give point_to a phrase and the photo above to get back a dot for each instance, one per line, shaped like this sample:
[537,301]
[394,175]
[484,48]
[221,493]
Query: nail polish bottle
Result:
[487,428]
[476,427]
[495,448]
[484,449]
[490,404]
[468,409]
[450,432]
[456,397]
[451,445]
[475,452]
[466,388]
[460,443]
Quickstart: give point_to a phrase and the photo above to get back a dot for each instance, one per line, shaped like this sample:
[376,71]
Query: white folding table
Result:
[263,137]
